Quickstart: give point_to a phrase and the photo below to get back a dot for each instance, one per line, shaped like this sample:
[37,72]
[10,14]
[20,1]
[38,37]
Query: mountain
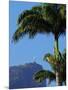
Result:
[22,76]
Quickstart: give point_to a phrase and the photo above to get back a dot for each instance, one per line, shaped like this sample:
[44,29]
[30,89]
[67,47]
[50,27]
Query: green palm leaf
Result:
[31,24]
[49,58]
[44,74]
[27,13]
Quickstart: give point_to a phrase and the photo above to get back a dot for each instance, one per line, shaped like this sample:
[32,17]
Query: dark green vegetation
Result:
[45,19]
[51,75]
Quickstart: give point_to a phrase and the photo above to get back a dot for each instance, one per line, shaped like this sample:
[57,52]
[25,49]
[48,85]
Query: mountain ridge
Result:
[21,76]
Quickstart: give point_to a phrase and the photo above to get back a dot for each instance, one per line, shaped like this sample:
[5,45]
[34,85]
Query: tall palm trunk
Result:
[56,53]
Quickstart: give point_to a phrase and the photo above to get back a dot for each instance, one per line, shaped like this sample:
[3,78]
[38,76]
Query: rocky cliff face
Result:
[22,76]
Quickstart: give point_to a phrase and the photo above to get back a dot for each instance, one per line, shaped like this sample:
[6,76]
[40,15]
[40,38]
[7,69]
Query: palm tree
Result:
[51,75]
[44,19]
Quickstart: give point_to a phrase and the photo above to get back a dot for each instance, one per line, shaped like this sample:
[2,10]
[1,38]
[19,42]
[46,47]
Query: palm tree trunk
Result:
[58,83]
[56,48]
[56,53]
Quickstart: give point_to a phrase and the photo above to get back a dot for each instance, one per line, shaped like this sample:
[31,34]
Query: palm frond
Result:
[44,74]
[20,32]
[37,22]
[62,11]
[37,8]
[50,13]
[50,58]
[26,13]
[33,24]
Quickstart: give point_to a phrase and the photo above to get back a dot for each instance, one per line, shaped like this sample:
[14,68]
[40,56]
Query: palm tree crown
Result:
[41,19]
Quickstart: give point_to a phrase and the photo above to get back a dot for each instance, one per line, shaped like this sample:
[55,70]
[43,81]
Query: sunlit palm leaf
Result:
[50,58]
[62,11]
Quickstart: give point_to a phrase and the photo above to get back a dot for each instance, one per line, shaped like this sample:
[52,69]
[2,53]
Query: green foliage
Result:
[50,58]
[44,74]
[54,63]
[41,19]
[51,75]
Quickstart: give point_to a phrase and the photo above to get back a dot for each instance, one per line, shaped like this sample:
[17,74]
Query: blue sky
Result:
[29,50]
